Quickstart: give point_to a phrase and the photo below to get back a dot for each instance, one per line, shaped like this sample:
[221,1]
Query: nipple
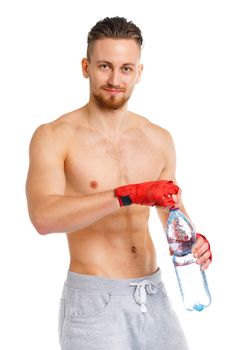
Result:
[93,184]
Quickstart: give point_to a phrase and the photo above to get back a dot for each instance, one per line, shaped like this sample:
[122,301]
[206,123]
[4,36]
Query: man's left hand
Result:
[201,250]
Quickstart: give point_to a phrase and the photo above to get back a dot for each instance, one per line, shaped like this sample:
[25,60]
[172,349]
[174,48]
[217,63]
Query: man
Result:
[94,173]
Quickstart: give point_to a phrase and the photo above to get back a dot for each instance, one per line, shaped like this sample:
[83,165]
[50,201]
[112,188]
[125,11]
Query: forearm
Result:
[72,213]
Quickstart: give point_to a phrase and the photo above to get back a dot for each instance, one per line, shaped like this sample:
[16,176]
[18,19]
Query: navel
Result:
[93,184]
[133,249]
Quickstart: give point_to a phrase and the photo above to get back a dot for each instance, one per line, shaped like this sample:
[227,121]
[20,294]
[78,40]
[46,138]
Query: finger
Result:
[203,258]
[205,265]
[200,251]
[170,189]
[176,189]
[169,202]
[173,189]
[197,245]
[176,200]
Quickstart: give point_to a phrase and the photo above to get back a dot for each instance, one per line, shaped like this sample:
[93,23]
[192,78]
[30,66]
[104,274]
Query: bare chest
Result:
[95,164]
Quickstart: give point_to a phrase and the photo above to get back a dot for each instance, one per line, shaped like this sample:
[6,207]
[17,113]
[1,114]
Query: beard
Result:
[111,102]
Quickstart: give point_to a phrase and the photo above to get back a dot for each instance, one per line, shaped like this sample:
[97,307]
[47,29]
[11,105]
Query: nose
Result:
[114,78]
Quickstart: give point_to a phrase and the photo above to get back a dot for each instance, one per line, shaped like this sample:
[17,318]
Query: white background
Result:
[189,86]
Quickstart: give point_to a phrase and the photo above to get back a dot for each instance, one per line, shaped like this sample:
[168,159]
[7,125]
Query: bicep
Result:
[46,167]
[168,171]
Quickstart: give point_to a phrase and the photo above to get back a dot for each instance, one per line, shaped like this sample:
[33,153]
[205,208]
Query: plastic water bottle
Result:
[181,236]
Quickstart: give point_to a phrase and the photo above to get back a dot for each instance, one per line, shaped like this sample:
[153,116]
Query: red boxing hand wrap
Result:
[205,240]
[148,193]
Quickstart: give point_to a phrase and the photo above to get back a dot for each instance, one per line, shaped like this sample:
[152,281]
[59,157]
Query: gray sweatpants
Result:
[99,313]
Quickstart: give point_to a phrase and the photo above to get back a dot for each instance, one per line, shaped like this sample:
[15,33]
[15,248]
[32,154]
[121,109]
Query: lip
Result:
[113,91]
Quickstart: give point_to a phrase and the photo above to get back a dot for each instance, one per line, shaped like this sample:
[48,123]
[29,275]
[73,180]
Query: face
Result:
[113,71]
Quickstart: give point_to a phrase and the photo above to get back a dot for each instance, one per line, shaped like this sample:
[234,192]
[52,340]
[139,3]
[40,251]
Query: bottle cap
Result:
[174,208]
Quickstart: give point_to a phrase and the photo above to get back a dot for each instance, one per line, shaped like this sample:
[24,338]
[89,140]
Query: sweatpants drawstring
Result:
[142,288]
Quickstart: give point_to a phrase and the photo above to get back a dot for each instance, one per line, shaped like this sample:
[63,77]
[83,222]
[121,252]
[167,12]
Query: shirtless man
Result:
[113,297]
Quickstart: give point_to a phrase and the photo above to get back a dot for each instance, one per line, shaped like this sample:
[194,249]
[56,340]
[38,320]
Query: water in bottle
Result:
[181,236]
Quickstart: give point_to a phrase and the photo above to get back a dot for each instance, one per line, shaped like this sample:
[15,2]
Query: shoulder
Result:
[60,129]
[53,137]
[156,133]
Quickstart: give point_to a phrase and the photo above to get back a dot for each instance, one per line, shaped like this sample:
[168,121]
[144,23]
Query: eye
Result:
[104,66]
[127,69]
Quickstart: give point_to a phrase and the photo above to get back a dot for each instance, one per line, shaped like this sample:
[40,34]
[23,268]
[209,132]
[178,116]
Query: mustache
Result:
[113,87]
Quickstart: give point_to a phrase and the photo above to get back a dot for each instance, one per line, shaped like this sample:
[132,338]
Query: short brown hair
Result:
[114,28]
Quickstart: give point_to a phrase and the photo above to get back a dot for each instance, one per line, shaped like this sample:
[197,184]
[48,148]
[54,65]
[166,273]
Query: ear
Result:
[85,68]
[140,69]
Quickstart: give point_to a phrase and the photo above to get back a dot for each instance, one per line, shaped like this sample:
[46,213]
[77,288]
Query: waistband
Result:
[85,282]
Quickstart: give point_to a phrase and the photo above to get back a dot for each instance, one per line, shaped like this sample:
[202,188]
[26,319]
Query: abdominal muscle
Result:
[118,246]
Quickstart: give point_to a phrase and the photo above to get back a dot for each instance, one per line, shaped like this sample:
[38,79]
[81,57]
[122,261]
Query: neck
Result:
[109,122]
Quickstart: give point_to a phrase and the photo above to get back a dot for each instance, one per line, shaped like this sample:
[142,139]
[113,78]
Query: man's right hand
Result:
[148,193]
